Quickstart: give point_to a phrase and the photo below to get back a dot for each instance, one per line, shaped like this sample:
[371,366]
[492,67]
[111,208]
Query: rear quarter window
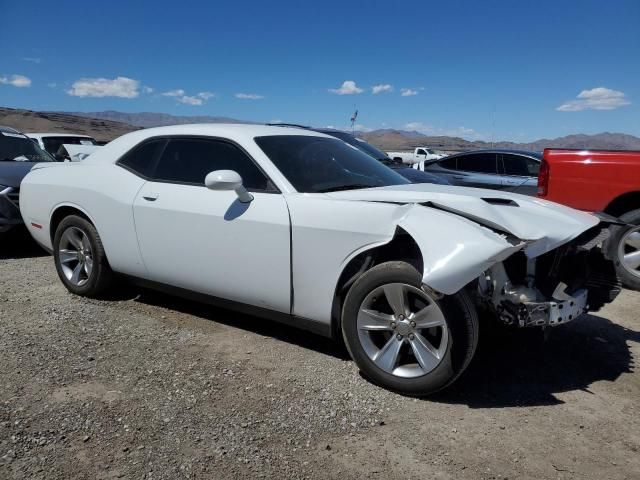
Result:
[142,158]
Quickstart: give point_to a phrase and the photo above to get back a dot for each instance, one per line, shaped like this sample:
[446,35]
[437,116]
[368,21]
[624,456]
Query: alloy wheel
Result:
[75,256]
[403,330]
[629,251]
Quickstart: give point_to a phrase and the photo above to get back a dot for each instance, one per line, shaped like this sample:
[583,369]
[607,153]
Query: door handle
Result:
[151,197]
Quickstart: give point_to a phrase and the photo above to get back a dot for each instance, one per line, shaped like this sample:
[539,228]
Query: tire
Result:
[618,246]
[367,310]
[93,280]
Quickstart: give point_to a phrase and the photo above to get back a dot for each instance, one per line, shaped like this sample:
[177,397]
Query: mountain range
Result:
[149,119]
[108,125]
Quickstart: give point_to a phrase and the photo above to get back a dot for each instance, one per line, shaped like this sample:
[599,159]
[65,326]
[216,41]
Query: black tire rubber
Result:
[617,232]
[460,315]
[102,275]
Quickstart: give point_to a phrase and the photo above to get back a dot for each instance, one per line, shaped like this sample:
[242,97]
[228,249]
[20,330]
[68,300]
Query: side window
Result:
[521,166]
[142,158]
[190,160]
[449,163]
[480,162]
[420,151]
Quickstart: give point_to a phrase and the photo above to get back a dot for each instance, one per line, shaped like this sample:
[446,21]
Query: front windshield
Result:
[17,148]
[318,164]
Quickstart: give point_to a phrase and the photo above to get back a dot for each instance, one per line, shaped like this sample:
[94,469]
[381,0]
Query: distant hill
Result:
[402,140]
[111,124]
[150,119]
[30,121]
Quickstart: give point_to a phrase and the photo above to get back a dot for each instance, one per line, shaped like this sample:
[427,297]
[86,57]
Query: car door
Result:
[478,170]
[520,173]
[208,241]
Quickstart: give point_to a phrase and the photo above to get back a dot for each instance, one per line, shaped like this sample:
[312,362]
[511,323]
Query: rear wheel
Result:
[80,259]
[624,247]
[403,338]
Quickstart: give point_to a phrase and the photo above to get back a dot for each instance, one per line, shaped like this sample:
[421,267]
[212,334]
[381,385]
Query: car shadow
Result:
[511,368]
[518,368]
[17,244]
[250,323]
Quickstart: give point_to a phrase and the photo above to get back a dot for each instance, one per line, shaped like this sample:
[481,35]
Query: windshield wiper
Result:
[353,186]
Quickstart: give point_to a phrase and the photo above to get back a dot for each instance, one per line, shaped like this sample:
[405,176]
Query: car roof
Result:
[53,134]
[238,132]
[9,129]
[524,153]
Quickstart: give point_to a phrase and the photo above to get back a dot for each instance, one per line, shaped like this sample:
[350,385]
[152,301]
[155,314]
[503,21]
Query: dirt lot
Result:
[146,386]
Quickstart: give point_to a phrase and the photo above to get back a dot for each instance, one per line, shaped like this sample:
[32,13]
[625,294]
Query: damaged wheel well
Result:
[402,247]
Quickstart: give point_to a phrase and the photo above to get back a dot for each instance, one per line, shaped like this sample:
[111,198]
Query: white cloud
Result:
[189,100]
[147,89]
[425,129]
[599,98]
[195,100]
[408,92]
[361,128]
[122,87]
[32,59]
[249,96]
[19,81]
[174,93]
[348,87]
[382,88]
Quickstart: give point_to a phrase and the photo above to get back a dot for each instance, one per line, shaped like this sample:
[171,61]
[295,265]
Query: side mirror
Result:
[228,180]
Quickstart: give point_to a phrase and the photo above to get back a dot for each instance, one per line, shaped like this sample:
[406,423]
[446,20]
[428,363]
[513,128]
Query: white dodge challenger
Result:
[300,227]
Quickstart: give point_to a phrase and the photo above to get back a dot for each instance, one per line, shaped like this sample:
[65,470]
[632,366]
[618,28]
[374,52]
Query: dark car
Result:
[18,154]
[512,170]
[413,175]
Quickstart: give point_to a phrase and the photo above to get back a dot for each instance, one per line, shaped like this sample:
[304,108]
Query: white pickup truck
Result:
[419,154]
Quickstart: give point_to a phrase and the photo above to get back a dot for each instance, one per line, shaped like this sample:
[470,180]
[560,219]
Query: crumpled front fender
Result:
[454,250]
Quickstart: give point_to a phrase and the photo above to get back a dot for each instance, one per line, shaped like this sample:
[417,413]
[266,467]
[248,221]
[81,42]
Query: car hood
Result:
[12,173]
[541,224]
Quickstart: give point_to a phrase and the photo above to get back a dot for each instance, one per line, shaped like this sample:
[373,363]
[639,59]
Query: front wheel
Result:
[80,259]
[403,338]
[624,247]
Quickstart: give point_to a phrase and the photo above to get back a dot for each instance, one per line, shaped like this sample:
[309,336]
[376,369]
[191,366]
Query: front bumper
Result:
[9,208]
[550,313]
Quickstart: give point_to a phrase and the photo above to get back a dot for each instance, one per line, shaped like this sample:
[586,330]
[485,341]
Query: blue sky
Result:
[517,70]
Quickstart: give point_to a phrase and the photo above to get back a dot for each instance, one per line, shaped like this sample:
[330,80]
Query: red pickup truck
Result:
[600,181]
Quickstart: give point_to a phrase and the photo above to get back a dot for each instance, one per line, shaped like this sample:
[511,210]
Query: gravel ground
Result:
[142,385]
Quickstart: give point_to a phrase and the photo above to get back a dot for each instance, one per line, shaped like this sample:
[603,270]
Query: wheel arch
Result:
[402,247]
[60,212]
[623,203]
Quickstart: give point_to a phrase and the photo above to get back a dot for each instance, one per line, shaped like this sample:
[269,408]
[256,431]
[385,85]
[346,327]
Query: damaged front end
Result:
[553,288]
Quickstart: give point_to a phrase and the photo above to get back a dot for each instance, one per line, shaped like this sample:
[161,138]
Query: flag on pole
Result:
[354,117]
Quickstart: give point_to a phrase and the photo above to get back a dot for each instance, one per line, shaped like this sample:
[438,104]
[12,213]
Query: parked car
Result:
[76,153]
[298,226]
[414,176]
[54,143]
[419,154]
[600,181]
[18,154]
[511,170]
